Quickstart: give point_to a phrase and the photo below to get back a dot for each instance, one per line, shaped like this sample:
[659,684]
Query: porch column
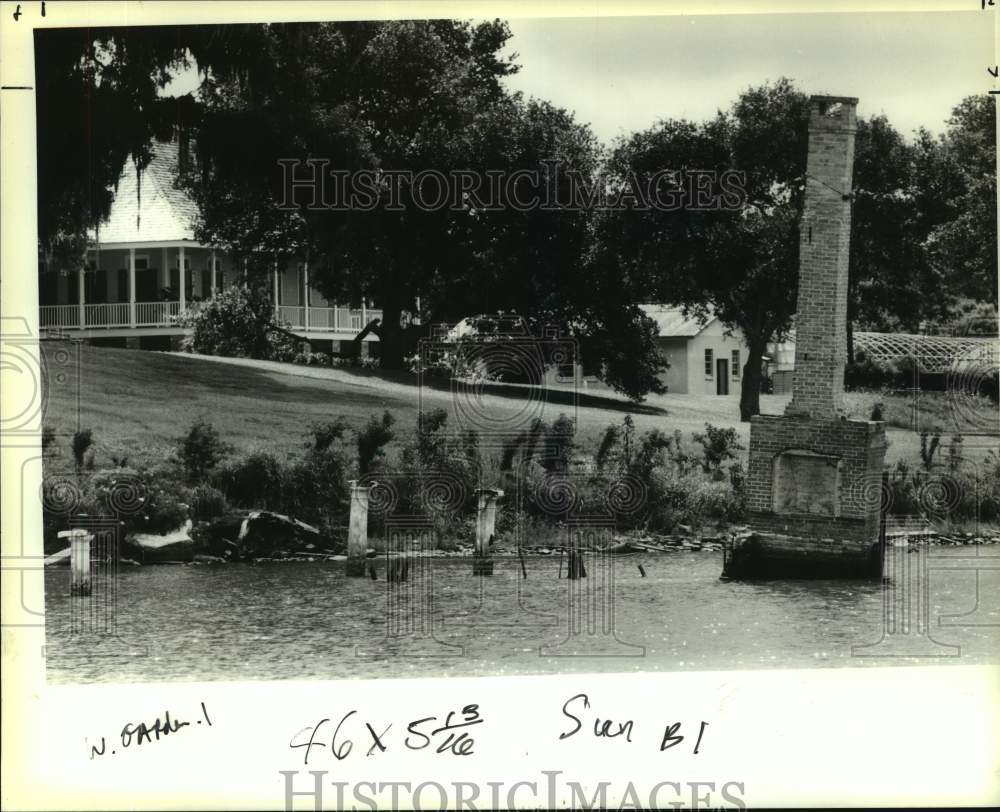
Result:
[305,293]
[180,277]
[364,312]
[81,286]
[275,286]
[214,287]
[131,287]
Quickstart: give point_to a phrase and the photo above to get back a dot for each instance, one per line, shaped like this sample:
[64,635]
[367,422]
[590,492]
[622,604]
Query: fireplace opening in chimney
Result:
[806,483]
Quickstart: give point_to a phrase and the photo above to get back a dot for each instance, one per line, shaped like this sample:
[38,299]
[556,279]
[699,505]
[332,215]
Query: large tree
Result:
[740,261]
[414,97]
[923,240]
[98,105]
[395,96]
[963,245]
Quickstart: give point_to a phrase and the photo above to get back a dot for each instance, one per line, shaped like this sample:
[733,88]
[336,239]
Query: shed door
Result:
[722,376]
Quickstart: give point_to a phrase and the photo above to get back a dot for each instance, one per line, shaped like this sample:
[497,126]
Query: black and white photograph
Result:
[497,346]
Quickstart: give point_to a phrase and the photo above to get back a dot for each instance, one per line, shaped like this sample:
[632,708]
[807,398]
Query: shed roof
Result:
[672,321]
[161,212]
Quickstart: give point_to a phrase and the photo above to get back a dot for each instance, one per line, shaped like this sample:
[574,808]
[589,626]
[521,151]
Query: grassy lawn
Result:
[137,403]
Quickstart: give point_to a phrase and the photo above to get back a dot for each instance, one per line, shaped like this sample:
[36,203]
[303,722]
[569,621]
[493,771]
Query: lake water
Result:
[308,620]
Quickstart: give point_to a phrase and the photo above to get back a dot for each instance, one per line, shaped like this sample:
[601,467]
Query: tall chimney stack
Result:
[824,250]
[812,472]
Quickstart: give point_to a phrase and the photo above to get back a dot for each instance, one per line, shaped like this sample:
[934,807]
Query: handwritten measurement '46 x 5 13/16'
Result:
[451,736]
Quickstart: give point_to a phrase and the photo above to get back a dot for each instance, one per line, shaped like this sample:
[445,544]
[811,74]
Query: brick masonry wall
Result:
[824,245]
[858,447]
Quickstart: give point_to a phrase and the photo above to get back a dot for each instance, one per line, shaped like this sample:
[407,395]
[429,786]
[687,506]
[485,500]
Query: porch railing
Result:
[327,319]
[156,314]
[164,314]
[106,315]
[59,315]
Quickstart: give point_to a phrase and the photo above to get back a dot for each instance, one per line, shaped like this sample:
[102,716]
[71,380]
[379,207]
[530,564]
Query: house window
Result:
[708,364]
[141,262]
[736,364]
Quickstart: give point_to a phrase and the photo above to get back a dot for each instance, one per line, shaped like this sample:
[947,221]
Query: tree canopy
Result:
[428,98]
[741,261]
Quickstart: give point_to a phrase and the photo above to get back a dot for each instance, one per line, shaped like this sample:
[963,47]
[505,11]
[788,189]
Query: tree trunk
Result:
[750,390]
[391,336]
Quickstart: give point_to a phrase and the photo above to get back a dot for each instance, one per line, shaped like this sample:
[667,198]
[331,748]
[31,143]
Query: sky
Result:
[622,74]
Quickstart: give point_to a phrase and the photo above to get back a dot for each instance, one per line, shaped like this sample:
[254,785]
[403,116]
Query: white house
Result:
[705,356]
[144,268]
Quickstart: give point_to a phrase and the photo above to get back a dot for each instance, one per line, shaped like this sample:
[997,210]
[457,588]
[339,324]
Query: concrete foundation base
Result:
[761,556]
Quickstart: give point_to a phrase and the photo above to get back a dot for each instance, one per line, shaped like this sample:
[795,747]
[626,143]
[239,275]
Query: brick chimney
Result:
[814,478]
[824,248]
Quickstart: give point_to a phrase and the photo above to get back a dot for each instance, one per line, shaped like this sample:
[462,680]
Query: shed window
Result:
[708,364]
[736,364]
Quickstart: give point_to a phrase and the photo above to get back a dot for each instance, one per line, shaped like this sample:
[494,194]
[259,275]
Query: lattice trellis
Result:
[933,353]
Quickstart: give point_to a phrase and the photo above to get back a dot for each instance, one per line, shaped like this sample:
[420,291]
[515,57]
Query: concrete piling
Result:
[486,519]
[357,533]
[79,562]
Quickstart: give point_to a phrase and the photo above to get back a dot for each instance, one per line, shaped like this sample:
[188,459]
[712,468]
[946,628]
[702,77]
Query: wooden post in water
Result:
[486,519]
[79,562]
[357,533]
[398,569]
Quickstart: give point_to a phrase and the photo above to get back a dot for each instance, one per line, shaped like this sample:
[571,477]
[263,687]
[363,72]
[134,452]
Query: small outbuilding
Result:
[705,356]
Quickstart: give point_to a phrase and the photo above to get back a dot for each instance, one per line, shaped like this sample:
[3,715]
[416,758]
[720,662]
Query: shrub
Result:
[324,434]
[718,446]
[559,443]
[372,439]
[238,322]
[657,448]
[201,450]
[609,444]
[255,481]
[145,501]
[436,453]
[964,493]
[207,502]
[316,489]
[82,441]
[313,359]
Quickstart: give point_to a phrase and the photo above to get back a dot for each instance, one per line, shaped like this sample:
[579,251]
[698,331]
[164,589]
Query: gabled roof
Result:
[161,212]
[672,321]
